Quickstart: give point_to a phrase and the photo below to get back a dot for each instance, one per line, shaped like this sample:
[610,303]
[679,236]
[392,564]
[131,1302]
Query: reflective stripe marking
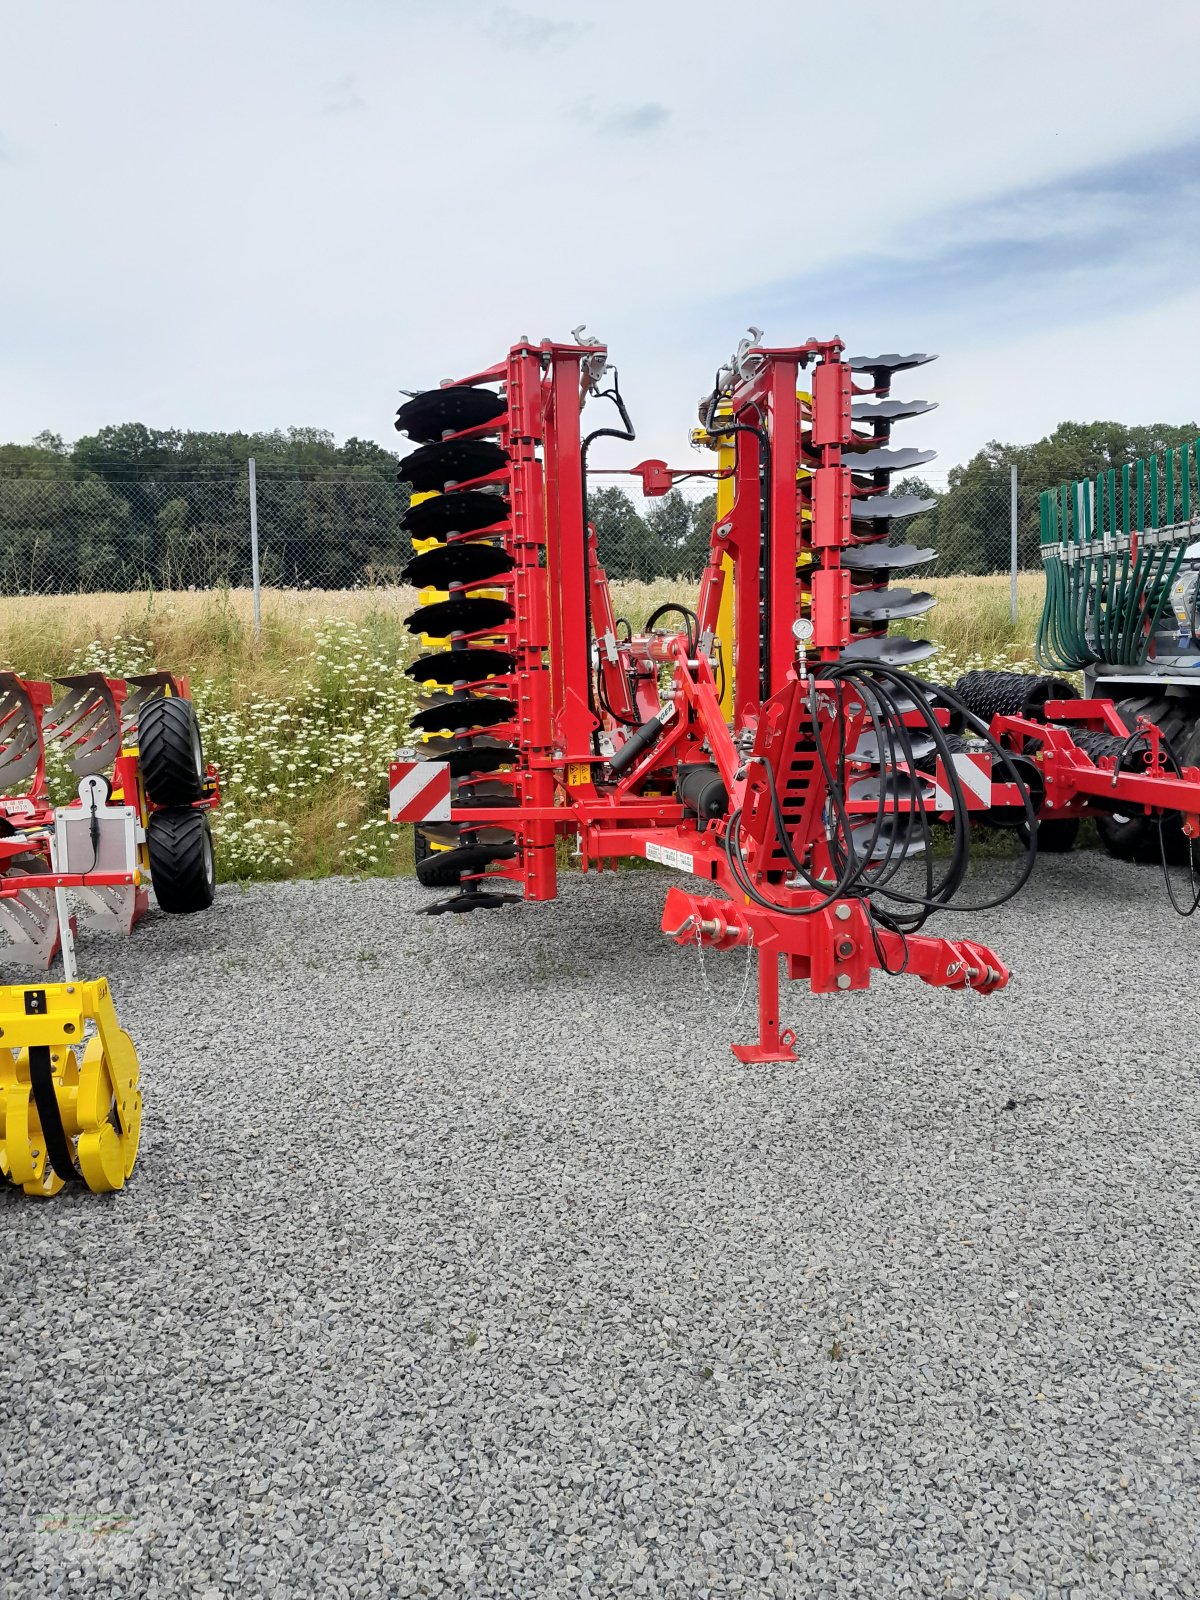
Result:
[419,791]
[974,773]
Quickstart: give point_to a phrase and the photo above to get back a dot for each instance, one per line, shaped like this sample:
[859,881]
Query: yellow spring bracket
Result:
[70,1109]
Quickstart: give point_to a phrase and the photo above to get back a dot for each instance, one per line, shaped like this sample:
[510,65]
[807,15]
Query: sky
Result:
[260,213]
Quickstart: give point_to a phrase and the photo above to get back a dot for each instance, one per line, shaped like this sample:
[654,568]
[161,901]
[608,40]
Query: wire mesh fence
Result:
[335,530]
[342,529]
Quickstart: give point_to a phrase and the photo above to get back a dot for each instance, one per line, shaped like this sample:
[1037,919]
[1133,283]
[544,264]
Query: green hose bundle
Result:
[1111,548]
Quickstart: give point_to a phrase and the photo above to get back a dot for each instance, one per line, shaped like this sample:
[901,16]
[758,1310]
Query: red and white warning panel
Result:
[419,791]
[975,776]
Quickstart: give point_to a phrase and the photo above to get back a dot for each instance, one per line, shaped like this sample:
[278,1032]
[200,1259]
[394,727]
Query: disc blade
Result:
[465,711]
[896,839]
[436,746]
[457,563]
[445,869]
[886,605]
[868,752]
[470,665]
[459,614]
[482,794]
[469,900]
[884,557]
[455,833]
[887,364]
[895,651]
[889,410]
[870,507]
[882,460]
[427,416]
[433,466]
[445,514]
[890,785]
[464,762]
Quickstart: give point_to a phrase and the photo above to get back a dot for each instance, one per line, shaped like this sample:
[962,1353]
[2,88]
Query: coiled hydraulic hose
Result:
[886,693]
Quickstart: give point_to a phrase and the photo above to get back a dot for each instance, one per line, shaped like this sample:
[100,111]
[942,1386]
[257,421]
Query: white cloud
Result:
[522,30]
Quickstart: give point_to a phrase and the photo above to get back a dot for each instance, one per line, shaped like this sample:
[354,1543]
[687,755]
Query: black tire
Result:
[182,869]
[172,757]
[1128,838]
[1055,837]
[445,868]
[1137,837]
[422,849]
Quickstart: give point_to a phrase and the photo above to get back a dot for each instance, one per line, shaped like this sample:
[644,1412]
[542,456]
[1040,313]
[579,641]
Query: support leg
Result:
[773,1044]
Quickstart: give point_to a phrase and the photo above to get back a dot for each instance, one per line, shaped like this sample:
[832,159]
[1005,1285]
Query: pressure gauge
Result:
[803,629]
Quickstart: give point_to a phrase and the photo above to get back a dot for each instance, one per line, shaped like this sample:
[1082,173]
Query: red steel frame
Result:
[797,501]
[563,785]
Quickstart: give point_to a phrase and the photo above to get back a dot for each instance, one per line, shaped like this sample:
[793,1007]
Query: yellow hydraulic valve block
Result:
[70,1109]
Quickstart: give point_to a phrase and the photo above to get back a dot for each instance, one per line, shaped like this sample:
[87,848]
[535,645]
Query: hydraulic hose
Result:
[858,871]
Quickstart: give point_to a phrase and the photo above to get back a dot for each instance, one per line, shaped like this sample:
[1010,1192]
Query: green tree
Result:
[668,526]
[970,523]
[622,540]
[58,535]
[694,556]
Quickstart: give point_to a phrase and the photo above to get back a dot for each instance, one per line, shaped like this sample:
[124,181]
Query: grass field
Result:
[303,718]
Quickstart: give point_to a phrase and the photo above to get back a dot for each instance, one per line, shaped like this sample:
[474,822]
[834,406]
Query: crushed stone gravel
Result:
[463,1259]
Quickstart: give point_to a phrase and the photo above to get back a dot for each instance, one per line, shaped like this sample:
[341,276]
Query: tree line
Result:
[131,506]
[970,523]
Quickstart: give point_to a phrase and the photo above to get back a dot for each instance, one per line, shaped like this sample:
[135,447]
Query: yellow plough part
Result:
[70,1108]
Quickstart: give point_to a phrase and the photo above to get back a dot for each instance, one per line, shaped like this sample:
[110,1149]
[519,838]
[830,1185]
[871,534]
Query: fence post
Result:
[1012,586]
[254,546]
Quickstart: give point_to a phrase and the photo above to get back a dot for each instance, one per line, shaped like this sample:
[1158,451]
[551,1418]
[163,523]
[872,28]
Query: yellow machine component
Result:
[726,460]
[70,1108]
[726,456]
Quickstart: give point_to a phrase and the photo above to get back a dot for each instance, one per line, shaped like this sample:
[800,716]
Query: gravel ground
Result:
[462,1259]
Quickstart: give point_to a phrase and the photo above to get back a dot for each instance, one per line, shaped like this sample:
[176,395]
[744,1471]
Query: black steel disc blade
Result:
[454,513]
[898,838]
[457,563]
[887,364]
[902,703]
[884,557]
[869,508]
[887,605]
[427,416]
[882,460]
[454,833]
[482,794]
[889,786]
[889,410]
[871,753]
[459,614]
[470,711]
[469,900]
[461,666]
[433,466]
[892,652]
[438,745]
[446,868]
[464,762]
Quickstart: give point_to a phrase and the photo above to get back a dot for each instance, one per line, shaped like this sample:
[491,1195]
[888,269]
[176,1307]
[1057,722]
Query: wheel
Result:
[422,849]
[1056,837]
[1137,838]
[171,755]
[182,869]
[1128,838]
